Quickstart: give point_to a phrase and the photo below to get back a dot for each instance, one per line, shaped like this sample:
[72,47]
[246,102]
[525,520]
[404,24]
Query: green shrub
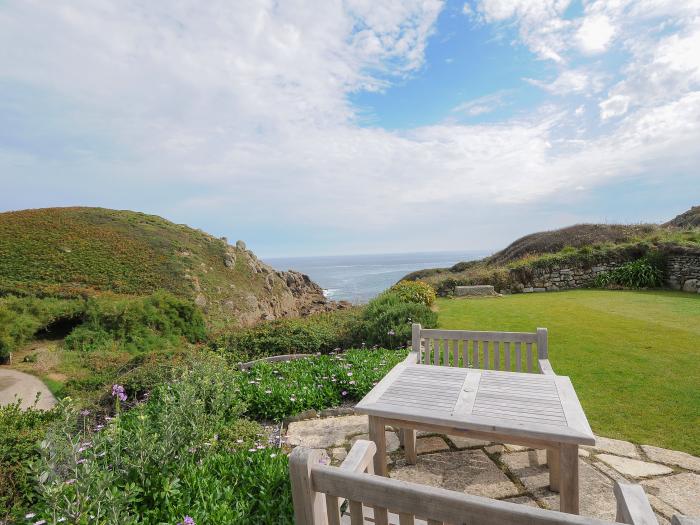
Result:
[279,390]
[20,432]
[645,272]
[137,324]
[22,317]
[317,333]
[185,451]
[386,321]
[414,292]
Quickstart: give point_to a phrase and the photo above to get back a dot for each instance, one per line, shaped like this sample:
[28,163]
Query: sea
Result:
[359,278]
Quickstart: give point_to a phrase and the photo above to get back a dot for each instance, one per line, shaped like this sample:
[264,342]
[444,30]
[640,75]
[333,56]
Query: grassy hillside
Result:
[85,251]
[581,244]
[632,356]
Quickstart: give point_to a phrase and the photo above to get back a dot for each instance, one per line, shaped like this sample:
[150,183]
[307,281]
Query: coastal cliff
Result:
[69,252]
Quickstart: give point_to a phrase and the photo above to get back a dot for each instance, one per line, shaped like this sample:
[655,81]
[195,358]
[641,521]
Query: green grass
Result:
[633,357]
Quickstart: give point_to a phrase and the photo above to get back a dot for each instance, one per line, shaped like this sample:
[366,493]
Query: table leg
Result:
[409,445]
[376,434]
[568,479]
[553,464]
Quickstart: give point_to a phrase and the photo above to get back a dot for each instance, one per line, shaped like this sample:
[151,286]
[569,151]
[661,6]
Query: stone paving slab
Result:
[614,446]
[467,471]
[681,491]
[522,500]
[596,494]
[530,467]
[660,506]
[672,457]
[431,444]
[392,440]
[634,468]
[465,442]
[326,433]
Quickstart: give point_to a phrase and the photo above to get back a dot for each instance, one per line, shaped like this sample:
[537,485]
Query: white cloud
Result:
[614,106]
[542,27]
[481,105]
[595,34]
[572,81]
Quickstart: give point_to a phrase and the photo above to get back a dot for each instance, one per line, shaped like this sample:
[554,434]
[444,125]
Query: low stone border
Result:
[272,359]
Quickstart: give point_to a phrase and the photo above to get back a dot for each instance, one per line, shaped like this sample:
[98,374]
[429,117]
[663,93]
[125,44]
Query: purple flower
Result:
[84,412]
[187,521]
[344,393]
[118,392]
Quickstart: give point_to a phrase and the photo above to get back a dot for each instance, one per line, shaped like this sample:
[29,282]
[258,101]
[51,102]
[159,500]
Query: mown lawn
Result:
[633,357]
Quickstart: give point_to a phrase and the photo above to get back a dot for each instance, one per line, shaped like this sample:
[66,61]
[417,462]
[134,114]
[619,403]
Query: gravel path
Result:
[14,384]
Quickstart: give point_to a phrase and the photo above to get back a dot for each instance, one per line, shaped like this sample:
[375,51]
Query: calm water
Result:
[358,278]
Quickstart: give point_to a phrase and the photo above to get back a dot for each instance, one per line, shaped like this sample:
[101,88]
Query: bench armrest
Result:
[632,505]
[360,457]
[411,358]
[546,367]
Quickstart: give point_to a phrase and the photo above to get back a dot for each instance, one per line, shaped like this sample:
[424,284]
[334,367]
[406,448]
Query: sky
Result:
[356,126]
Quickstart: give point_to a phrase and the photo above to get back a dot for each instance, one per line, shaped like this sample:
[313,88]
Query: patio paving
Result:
[518,474]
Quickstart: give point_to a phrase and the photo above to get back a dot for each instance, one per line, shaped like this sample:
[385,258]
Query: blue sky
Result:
[354,126]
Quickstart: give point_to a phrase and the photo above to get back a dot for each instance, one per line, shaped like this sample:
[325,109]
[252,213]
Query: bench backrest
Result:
[514,351]
[319,492]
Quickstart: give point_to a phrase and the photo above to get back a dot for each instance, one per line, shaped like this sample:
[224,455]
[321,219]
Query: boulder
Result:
[477,290]
[690,285]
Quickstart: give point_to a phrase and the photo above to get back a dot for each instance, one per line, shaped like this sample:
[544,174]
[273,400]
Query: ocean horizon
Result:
[359,278]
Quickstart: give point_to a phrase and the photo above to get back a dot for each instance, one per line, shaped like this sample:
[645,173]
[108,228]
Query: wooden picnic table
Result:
[534,410]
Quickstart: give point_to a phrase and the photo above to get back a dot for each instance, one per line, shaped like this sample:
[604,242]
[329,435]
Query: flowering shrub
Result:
[183,452]
[278,390]
[386,320]
[414,292]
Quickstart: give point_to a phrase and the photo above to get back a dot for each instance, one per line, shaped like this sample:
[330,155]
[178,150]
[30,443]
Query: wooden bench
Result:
[319,493]
[514,351]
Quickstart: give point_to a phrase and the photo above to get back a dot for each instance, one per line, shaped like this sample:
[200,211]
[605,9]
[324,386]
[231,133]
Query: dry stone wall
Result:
[683,272]
[560,277]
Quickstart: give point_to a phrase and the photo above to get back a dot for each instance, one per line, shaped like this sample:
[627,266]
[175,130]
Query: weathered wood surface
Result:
[379,500]
[528,406]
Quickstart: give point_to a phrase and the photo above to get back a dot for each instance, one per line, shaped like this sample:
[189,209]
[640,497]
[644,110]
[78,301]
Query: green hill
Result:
[580,244]
[69,252]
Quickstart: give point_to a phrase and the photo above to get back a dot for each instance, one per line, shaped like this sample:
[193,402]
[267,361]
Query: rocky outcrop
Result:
[256,291]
